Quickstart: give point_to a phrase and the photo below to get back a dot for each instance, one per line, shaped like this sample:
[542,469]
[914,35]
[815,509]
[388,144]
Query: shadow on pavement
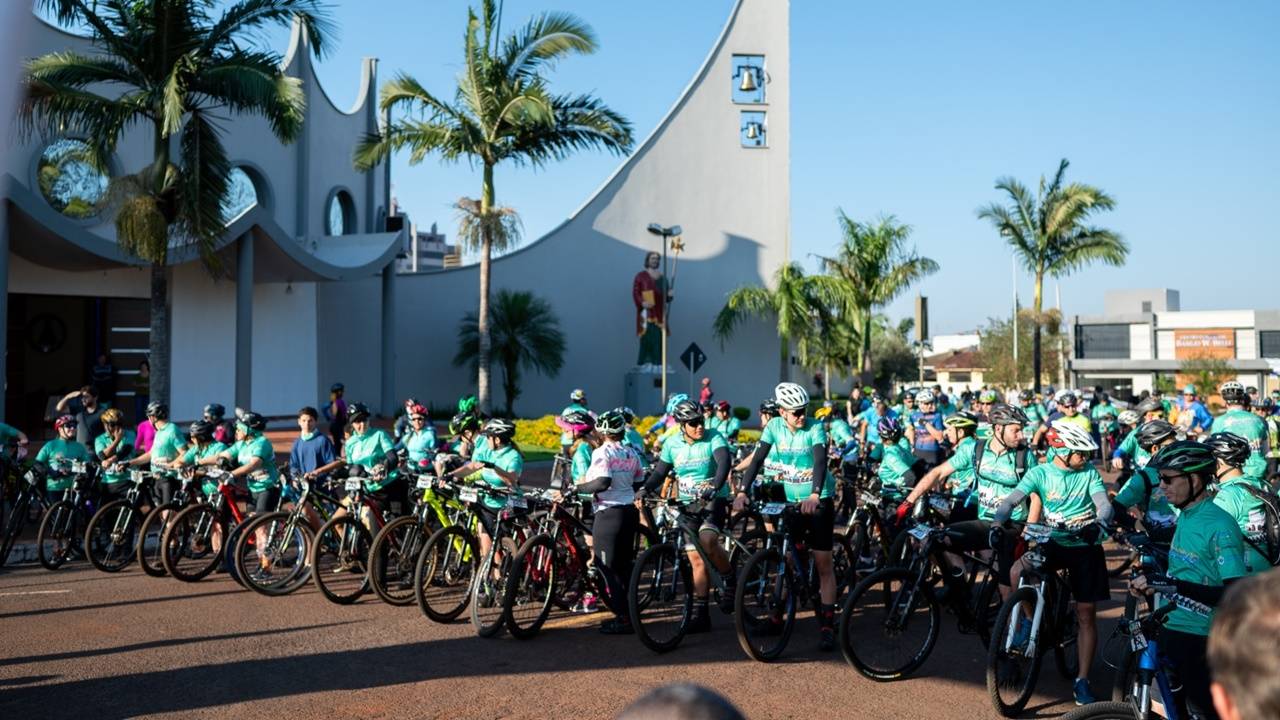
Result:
[121,603]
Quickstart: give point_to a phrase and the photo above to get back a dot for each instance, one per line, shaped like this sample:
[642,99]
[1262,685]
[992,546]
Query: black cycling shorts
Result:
[115,491]
[488,519]
[264,502]
[393,492]
[713,519]
[1086,568]
[816,531]
[975,536]
[164,489]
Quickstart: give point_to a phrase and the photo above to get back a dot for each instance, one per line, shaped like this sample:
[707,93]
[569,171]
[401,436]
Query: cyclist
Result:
[577,404]
[255,461]
[499,465]
[699,458]
[946,407]
[224,430]
[113,448]
[1143,490]
[793,449]
[203,446]
[924,428]
[465,429]
[869,427]
[724,423]
[1126,422]
[1129,451]
[1193,418]
[768,411]
[838,432]
[372,449]
[580,426]
[906,405]
[666,426]
[166,447]
[1233,495]
[1103,415]
[962,428]
[898,464]
[632,436]
[1073,495]
[987,399]
[613,474]
[419,441]
[1068,410]
[1265,411]
[403,424]
[1206,556]
[1239,421]
[64,447]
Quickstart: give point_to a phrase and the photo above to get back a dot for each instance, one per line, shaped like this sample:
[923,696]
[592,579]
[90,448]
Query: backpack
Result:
[1270,548]
[1019,459]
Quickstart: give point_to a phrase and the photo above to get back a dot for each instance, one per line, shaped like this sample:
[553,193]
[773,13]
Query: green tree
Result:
[527,337]
[876,265]
[996,347]
[1206,373]
[794,301]
[1050,234]
[179,68]
[833,344]
[893,356]
[503,111]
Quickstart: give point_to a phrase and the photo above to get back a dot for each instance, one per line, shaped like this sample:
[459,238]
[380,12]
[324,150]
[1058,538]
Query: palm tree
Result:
[795,300]
[873,261]
[1050,234]
[171,65]
[526,335]
[833,343]
[502,111]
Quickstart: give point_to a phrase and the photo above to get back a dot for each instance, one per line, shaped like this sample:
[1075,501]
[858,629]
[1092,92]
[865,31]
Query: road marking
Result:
[35,592]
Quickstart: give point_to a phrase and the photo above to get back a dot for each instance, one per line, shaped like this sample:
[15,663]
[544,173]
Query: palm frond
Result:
[206,174]
[501,225]
[543,40]
[249,83]
[748,301]
[252,16]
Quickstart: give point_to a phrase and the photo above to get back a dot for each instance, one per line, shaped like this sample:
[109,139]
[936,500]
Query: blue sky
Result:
[914,109]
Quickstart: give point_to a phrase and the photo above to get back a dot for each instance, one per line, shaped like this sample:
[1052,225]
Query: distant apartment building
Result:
[1143,335]
[426,251]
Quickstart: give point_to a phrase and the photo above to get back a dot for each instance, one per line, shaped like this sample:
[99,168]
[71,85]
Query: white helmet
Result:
[1074,437]
[924,396]
[790,396]
[1128,417]
[1232,392]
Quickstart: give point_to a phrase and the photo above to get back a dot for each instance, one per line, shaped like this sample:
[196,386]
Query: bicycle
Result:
[151,533]
[660,593]
[59,534]
[190,552]
[1152,666]
[285,543]
[1152,559]
[873,537]
[443,570]
[493,573]
[340,554]
[29,496]
[114,528]
[1053,626]
[396,547]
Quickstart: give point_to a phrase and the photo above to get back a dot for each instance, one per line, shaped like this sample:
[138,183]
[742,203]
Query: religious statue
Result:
[649,292]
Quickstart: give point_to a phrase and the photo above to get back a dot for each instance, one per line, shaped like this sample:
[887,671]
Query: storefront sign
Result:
[1204,344]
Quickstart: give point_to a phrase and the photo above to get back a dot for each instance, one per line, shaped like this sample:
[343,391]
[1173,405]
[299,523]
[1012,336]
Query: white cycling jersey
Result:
[622,464]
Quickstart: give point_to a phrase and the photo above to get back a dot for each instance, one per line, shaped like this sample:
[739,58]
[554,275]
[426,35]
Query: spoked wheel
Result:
[235,539]
[842,564]
[339,559]
[443,572]
[488,587]
[1011,674]
[1119,558]
[530,587]
[660,598]
[276,562]
[111,539]
[1126,667]
[56,539]
[12,528]
[391,559]
[150,536]
[192,543]
[1103,711]
[889,625]
[765,605]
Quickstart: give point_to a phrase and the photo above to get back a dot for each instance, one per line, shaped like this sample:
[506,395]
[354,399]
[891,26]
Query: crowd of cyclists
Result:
[691,512]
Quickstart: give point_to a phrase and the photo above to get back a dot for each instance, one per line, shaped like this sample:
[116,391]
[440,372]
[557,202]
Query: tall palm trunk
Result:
[1035,333]
[864,354]
[784,358]
[159,333]
[482,316]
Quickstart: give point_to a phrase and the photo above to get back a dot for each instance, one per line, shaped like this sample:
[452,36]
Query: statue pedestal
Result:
[642,391]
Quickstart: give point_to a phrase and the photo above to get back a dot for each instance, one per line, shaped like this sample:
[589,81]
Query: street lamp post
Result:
[668,283]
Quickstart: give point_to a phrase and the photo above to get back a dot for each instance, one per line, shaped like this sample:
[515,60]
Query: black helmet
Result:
[1006,414]
[769,406]
[1263,403]
[1026,394]
[253,421]
[158,410]
[612,422]
[337,387]
[1186,456]
[685,411]
[628,414]
[201,430]
[1149,405]
[358,412]
[500,428]
[462,422]
[1156,431]
[215,411]
[578,418]
[889,428]
[1230,448]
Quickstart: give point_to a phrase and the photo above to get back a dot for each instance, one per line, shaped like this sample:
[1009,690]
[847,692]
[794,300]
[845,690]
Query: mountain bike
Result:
[340,554]
[283,539]
[151,533]
[196,539]
[29,496]
[63,523]
[395,549]
[1143,636]
[111,539]
[493,572]
[443,570]
[1152,559]
[871,531]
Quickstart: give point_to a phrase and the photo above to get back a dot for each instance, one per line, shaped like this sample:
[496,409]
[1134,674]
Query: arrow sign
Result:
[693,357]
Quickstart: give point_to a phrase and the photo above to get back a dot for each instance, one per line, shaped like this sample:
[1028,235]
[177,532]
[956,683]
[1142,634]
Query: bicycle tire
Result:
[1118,563]
[151,535]
[841,564]
[176,542]
[104,523]
[1000,667]
[766,582]
[276,526]
[233,540]
[391,560]
[13,527]
[1126,670]
[56,526]
[442,575]
[654,569]
[870,606]
[488,587]
[341,552]
[1102,711]
[526,602]
[866,555]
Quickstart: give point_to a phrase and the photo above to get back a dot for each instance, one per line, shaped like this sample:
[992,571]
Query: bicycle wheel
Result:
[660,598]
[391,559]
[56,537]
[111,539]
[842,563]
[12,528]
[765,606]
[340,560]
[235,538]
[902,550]
[865,553]
[150,535]
[488,587]
[191,548]
[888,625]
[442,575]
[1103,711]
[1119,558]
[527,599]
[276,564]
[1011,675]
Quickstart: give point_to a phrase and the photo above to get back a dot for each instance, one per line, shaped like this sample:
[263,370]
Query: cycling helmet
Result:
[889,428]
[578,395]
[988,396]
[790,396]
[1232,393]
[1006,414]
[253,421]
[675,400]
[723,406]
[628,414]
[1025,395]
[500,428]
[201,430]
[1128,417]
[337,388]
[112,416]
[575,421]
[823,412]
[1068,399]
[418,409]
[925,396]
[359,412]
[1154,432]
[685,411]
[65,421]
[962,419]
[467,404]
[1149,405]
[1264,403]
[158,410]
[769,406]
[1228,447]
[215,411]
[1070,436]
[611,423]
[1186,456]
[462,422]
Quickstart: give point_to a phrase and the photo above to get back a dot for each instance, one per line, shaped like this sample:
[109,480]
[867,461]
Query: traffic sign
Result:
[693,357]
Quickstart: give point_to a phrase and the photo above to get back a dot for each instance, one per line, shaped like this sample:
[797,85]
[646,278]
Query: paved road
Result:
[78,641]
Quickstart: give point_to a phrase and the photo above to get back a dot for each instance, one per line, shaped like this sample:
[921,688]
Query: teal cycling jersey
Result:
[962,480]
[1067,497]
[119,470]
[266,475]
[368,449]
[1247,510]
[790,457]
[895,461]
[53,455]
[839,432]
[420,445]
[1251,428]
[1143,491]
[727,427]
[693,462]
[506,458]
[1130,447]
[195,454]
[1207,549]
[8,434]
[167,446]
[997,477]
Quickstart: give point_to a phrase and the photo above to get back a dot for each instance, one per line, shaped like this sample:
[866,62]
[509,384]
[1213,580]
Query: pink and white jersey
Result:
[622,464]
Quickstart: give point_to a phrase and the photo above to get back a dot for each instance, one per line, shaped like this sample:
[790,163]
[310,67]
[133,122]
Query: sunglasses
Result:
[696,422]
[1167,479]
[795,413]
